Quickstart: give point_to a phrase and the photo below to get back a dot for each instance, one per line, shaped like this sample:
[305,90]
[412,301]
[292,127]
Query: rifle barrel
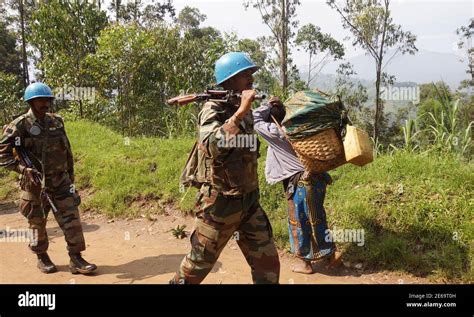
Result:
[211,95]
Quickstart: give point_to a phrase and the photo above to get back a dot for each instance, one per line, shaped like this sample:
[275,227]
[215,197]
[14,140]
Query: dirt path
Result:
[144,251]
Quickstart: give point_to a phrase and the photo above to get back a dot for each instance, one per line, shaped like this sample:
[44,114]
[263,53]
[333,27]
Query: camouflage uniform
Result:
[59,176]
[228,203]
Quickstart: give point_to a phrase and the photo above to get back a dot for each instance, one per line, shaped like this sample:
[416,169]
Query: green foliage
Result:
[413,207]
[410,132]
[190,18]
[280,17]
[64,34]
[440,126]
[7,184]
[447,134]
[10,103]
[138,69]
[149,15]
[315,42]
[179,232]
[352,93]
[9,60]
[372,26]
[466,33]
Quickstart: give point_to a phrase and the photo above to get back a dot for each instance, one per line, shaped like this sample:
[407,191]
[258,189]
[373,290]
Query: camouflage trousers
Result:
[36,209]
[220,218]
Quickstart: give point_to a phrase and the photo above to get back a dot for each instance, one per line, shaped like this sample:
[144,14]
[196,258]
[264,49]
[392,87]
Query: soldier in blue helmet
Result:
[41,135]
[228,202]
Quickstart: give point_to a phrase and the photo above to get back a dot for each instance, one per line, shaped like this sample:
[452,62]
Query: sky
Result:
[434,22]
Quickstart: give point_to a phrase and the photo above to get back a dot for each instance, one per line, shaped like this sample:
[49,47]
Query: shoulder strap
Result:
[280,128]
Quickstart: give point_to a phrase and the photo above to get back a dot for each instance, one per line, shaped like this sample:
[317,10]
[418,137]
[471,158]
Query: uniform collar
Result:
[31,115]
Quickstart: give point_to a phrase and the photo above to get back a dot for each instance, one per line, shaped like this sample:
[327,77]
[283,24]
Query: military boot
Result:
[79,265]
[45,265]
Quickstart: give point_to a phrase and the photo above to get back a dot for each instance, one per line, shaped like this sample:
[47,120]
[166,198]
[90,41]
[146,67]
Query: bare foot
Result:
[335,260]
[303,267]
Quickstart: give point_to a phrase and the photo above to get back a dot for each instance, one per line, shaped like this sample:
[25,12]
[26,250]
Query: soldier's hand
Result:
[274,101]
[33,175]
[246,99]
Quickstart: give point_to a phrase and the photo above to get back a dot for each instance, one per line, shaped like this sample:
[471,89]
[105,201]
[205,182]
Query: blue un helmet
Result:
[231,64]
[37,90]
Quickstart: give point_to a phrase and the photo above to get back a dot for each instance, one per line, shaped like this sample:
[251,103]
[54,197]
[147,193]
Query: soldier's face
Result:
[41,105]
[242,81]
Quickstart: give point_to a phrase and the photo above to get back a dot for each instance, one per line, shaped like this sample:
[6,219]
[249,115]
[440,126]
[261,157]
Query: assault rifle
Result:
[209,95]
[25,160]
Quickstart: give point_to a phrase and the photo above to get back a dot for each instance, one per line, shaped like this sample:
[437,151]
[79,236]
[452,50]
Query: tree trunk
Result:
[309,69]
[81,110]
[117,9]
[471,64]
[135,12]
[377,102]
[284,46]
[26,77]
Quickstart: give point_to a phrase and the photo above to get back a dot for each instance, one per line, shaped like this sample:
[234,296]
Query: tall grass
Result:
[448,135]
[444,133]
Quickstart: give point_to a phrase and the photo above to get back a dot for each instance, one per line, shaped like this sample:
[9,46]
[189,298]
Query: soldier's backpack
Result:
[190,176]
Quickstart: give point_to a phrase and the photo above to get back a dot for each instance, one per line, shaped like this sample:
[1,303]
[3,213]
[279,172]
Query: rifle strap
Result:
[43,151]
[43,160]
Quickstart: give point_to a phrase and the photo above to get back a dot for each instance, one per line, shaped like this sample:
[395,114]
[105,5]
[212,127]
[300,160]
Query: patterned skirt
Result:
[307,219]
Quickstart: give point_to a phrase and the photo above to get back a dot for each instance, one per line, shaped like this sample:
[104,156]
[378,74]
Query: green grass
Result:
[7,180]
[118,172]
[416,210]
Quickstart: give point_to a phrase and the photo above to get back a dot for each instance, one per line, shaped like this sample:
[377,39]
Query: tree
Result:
[20,20]
[135,11]
[466,33]
[65,33]
[136,70]
[10,92]
[24,59]
[430,101]
[352,92]
[315,42]
[372,26]
[9,61]
[280,17]
[190,18]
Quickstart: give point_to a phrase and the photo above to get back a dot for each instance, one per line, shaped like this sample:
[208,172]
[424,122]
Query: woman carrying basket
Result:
[305,192]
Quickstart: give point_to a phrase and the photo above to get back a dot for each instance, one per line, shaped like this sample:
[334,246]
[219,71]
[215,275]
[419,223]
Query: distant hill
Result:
[423,67]
[410,70]
[327,82]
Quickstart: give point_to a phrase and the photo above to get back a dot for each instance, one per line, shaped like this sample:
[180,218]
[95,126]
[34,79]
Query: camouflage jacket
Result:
[228,154]
[28,131]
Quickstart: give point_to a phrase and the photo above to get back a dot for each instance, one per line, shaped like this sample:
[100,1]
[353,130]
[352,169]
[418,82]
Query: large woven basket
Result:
[321,152]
